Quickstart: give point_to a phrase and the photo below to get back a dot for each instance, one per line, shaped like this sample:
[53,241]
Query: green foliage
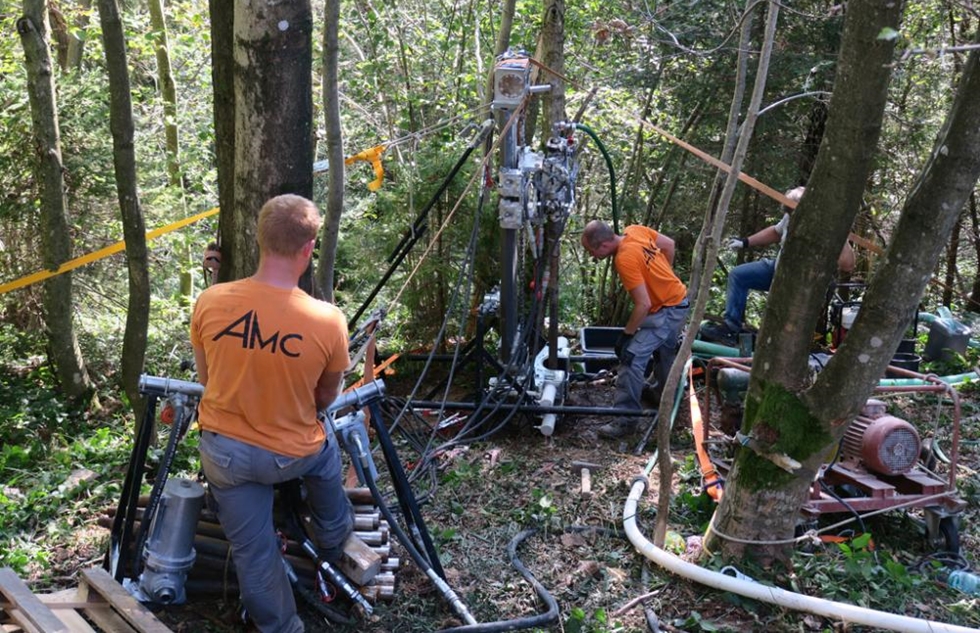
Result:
[540,510]
[579,621]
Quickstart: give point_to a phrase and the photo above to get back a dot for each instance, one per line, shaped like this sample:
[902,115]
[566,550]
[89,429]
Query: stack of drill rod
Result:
[214,572]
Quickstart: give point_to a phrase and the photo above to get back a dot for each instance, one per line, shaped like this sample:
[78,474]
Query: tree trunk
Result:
[553,57]
[731,138]
[168,89]
[708,264]
[63,350]
[76,45]
[974,304]
[783,416]
[335,151]
[503,42]
[223,88]
[273,117]
[134,229]
[952,252]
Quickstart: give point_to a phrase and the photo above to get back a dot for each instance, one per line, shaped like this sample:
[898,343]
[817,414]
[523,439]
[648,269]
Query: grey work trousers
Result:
[241,478]
[658,331]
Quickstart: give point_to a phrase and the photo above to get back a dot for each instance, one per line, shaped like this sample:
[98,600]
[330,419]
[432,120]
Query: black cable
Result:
[540,620]
[544,619]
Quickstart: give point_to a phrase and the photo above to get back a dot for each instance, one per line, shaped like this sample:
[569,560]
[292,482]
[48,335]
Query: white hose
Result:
[847,613]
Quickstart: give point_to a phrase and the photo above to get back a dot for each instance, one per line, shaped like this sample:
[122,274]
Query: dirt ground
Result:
[491,491]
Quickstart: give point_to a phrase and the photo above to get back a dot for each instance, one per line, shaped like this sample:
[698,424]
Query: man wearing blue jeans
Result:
[270,356]
[643,258]
[758,275]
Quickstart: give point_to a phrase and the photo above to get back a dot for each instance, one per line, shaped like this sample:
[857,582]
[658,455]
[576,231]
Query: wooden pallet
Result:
[99,604]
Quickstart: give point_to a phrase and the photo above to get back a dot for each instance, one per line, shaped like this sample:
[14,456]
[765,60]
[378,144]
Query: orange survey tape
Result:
[101,253]
[712,479]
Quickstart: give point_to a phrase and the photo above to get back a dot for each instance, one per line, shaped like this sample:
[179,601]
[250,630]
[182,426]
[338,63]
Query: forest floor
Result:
[491,491]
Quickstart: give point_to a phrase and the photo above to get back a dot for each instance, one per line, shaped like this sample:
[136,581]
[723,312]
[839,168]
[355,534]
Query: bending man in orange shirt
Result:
[644,259]
[270,356]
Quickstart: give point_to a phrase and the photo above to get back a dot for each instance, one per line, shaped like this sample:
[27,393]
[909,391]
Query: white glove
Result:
[736,243]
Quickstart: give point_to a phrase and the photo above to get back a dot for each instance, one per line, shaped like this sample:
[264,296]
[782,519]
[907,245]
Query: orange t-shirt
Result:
[638,261]
[266,348]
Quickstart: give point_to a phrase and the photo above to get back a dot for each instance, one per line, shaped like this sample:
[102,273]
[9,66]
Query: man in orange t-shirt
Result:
[270,356]
[643,258]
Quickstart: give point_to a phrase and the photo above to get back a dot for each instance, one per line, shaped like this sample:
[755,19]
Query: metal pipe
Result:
[532,408]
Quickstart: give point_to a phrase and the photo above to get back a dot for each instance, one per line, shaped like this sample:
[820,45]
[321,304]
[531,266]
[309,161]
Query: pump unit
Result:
[169,550]
[881,443]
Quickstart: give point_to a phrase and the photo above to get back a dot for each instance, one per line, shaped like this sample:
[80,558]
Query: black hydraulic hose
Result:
[410,508]
[531,408]
[612,172]
[122,525]
[292,495]
[447,592]
[177,428]
[517,624]
[418,228]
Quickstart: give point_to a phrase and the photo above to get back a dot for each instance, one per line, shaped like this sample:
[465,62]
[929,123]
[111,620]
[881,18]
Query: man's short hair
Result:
[286,224]
[597,233]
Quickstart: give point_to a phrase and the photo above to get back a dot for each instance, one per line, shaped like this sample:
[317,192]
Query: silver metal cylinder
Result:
[169,552]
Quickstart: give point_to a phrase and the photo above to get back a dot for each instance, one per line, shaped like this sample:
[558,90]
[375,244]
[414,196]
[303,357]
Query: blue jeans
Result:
[755,275]
[659,331]
[241,478]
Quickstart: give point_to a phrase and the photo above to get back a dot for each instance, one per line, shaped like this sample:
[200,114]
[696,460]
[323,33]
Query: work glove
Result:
[737,243]
[622,344]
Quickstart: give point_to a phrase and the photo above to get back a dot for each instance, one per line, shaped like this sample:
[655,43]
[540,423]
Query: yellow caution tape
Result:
[101,253]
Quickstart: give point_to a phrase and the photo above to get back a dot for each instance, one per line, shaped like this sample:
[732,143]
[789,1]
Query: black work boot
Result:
[620,427]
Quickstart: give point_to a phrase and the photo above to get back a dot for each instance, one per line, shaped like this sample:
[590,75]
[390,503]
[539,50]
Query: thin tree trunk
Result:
[952,251]
[134,229]
[335,151]
[63,350]
[168,89]
[974,304]
[553,57]
[76,45]
[223,88]
[711,245]
[273,118]
[701,246]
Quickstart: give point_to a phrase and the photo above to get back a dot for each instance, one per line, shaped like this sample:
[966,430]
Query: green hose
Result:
[612,172]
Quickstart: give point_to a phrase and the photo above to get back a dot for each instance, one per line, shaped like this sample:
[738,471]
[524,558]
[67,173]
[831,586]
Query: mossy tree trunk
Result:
[63,350]
[788,413]
[134,228]
[273,50]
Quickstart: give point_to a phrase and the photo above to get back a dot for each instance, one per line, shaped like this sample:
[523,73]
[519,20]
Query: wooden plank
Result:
[98,580]
[30,610]
[109,621]
[63,603]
